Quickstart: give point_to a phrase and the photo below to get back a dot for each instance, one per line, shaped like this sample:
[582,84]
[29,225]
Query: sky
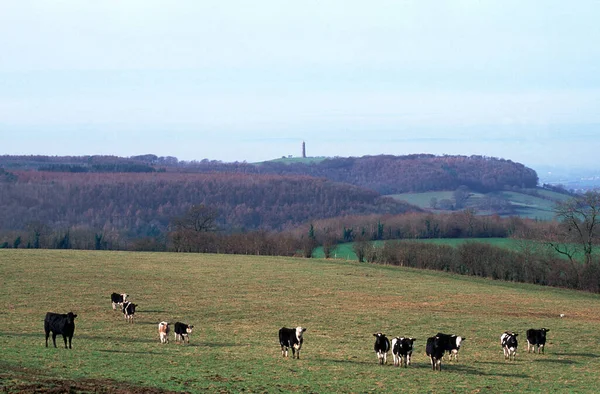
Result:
[250,80]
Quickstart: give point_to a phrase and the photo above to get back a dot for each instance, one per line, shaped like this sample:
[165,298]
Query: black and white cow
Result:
[536,338]
[118,299]
[128,310]
[435,349]
[291,338]
[402,349]
[452,344]
[509,343]
[63,324]
[381,347]
[182,332]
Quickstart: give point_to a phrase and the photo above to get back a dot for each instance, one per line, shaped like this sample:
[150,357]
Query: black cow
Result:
[63,324]
[452,344]
[291,338]
[536,338]
[382,346]
[402,349]
[509,344]
[435,349]
[128,310]
[118,299]
[182,332]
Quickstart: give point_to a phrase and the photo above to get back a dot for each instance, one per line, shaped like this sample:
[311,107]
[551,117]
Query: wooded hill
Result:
[142,194]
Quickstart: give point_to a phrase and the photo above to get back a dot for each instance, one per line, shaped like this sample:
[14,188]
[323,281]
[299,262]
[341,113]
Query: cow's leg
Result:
[54,338]
[432,363]
[65,339]
[70,338]
[47,336]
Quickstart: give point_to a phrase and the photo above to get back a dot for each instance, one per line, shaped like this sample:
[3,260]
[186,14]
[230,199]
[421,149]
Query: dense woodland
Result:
[140,196]
[143,204]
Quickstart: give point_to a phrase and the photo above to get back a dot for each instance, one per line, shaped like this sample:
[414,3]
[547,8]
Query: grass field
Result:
[525,205]
[237,304]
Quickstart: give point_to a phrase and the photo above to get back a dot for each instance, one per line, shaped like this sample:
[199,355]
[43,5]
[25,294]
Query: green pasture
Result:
[237,304]
[526,205]
[345,251]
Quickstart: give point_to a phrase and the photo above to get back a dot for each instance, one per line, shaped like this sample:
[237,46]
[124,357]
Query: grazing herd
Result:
[64,324]
[402,348]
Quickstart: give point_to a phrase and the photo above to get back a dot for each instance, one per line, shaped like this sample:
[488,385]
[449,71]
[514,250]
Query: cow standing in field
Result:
[435,349]
[291,338]
[118,299]
[63,324]
[163,331]
[128,310]
[381,347]
[402,349]
[509,344]
[182,332]
[452,344]
[536,338]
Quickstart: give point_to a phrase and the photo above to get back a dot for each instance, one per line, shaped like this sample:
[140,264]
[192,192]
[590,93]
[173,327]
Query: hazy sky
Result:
[250,80]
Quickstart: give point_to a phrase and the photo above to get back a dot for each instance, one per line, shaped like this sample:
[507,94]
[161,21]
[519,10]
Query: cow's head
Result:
[71,317]
[124,296]
[380,337]
[459,341]
[189,329]
[299,331]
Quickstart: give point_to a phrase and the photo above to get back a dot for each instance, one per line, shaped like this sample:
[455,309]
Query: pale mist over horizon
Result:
[235,81]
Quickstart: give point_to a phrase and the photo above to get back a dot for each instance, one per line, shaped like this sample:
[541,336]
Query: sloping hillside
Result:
[145,203]
[238,303]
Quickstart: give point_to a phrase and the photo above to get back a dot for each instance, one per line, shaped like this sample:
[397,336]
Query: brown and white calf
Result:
[163,331]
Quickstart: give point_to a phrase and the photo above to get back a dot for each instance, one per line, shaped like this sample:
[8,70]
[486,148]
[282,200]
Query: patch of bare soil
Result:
[16,380]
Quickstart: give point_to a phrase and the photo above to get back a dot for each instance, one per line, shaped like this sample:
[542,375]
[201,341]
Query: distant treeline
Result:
[108,167]
[384,174]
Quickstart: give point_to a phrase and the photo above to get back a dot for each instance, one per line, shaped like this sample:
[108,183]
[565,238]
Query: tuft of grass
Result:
[237,304]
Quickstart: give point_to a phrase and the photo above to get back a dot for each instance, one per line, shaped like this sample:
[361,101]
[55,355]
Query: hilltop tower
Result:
[303,150]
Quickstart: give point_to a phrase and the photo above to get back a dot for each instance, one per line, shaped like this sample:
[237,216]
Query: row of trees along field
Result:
[537,260]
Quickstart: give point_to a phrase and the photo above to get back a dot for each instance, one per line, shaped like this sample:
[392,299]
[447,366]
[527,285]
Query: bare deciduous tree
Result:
[579,218]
